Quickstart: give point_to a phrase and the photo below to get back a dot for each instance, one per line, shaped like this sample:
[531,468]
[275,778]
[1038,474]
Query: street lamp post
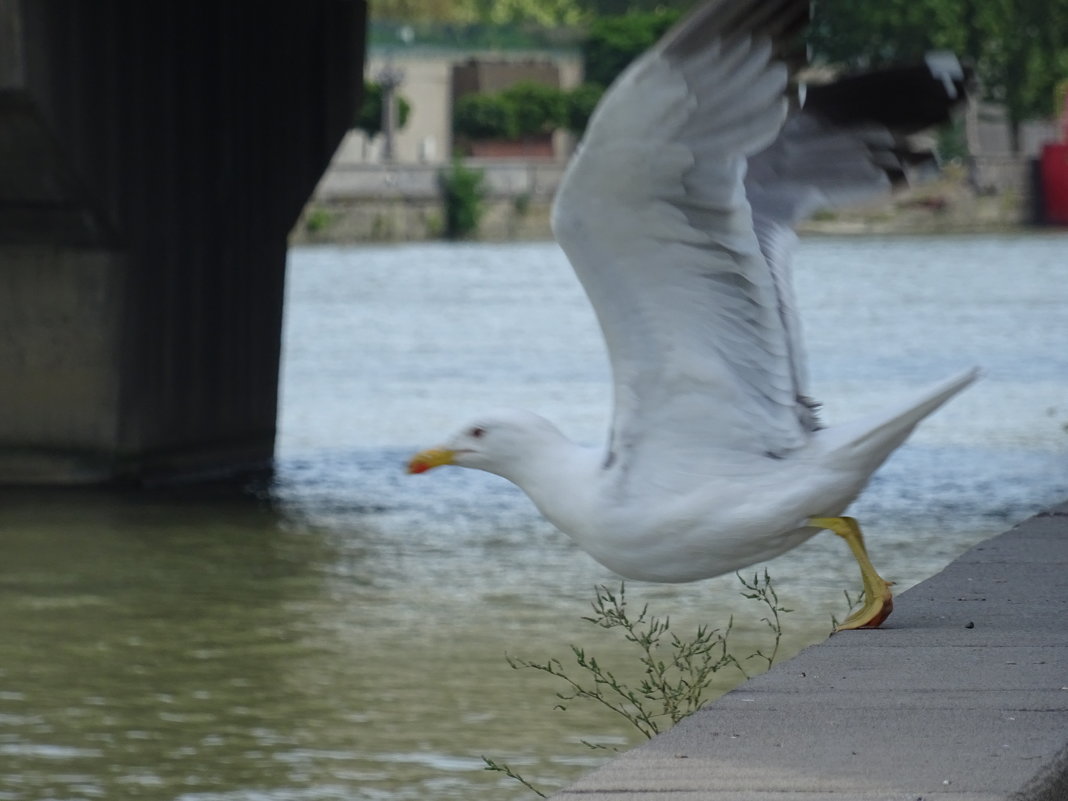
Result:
[389,78]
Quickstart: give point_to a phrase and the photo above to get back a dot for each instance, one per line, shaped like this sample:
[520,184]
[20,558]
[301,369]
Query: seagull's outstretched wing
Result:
[653,215]
[677,214]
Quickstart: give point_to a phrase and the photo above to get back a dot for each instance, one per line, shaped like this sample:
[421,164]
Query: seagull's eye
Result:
[477,432]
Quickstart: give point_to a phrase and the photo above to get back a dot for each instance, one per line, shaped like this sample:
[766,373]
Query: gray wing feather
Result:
[654,217]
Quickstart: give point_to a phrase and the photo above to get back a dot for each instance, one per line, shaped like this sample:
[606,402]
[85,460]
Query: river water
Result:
[340,632]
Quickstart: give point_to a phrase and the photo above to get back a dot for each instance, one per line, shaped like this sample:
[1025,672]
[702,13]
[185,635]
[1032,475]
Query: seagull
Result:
[677,213]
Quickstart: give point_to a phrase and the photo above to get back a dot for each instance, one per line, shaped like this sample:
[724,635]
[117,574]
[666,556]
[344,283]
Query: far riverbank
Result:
[374,203]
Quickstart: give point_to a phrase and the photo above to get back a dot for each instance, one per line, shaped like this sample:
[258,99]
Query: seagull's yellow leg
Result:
[878,601]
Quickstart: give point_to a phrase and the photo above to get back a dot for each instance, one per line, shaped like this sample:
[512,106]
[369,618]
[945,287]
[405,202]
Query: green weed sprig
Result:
[677,673]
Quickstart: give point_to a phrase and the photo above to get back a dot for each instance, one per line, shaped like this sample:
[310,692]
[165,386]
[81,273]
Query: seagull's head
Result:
[498,442]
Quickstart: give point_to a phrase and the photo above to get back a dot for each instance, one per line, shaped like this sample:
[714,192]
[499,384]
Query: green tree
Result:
[616,8]
[1023,53]
[369,117]
[1019,47]
[549,13]
[613,42]
[414,10]
[865,33]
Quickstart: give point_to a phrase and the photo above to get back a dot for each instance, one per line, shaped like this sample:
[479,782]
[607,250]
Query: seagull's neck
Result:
[561,478]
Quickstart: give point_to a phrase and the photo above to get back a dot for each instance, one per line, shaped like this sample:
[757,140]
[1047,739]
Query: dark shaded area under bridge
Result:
[153,158]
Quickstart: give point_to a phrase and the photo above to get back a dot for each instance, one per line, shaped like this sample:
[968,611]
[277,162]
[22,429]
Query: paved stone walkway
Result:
[961,696]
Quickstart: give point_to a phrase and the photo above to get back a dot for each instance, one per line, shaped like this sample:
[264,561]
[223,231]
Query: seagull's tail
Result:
[870,440]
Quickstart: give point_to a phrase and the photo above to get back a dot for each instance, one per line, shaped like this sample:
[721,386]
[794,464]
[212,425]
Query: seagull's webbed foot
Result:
[878,601]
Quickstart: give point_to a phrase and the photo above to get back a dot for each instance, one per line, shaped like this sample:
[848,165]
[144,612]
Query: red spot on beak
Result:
[425,460]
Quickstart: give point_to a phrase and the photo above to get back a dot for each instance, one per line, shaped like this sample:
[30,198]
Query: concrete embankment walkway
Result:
[961,696]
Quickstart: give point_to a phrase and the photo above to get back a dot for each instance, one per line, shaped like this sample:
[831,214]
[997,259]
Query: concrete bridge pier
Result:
[153,158]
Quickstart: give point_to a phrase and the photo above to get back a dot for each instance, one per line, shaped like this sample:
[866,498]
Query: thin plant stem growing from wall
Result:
[677,673]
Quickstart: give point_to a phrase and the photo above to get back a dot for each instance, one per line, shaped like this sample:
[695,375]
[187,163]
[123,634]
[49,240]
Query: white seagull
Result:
[677,214]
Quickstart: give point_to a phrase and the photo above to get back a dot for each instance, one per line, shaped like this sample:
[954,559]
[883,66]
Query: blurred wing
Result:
[654,217]
[851,141]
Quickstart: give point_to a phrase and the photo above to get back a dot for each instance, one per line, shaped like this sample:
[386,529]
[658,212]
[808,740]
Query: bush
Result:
[317,220]
[581,101]
[524,109]
[462,192]
[482,116]
[537,107]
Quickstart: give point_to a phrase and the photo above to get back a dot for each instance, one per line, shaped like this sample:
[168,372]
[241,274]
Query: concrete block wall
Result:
[962,695]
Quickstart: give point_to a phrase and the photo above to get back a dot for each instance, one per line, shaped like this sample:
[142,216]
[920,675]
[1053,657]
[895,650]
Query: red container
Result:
[1055,183]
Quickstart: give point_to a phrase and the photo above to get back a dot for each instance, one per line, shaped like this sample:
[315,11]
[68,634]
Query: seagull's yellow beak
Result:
[434,457]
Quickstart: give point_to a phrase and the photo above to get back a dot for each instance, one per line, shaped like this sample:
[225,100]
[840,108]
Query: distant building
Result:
[433,79]
[995,168]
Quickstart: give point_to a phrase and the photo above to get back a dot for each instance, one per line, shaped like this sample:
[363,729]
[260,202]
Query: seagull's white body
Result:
[708,513]
[677,214]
